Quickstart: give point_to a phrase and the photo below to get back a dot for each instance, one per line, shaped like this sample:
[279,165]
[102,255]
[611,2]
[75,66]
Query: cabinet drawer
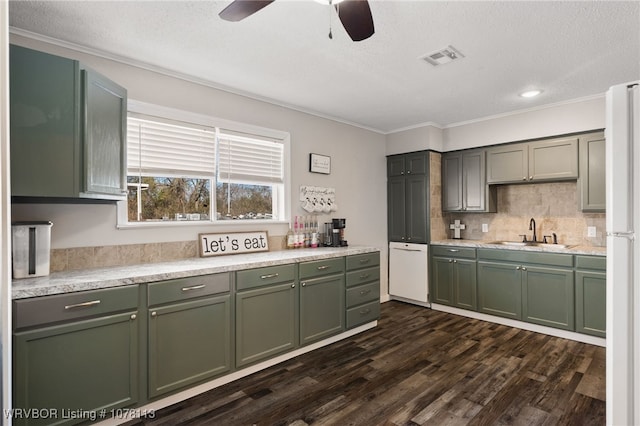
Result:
[252,278]
[362,294]
[366,260]
[454,251]
[187,288]
[591,262]
[73,306]
[363,314]
[363,276]
[318,268]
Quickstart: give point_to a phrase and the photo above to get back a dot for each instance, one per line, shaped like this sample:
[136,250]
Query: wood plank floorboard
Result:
[418,367]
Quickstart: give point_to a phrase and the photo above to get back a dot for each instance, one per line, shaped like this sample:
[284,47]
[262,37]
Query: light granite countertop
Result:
[91,279]
[588,250]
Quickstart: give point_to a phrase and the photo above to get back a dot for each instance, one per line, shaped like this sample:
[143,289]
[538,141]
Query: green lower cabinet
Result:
[84,366]
[591,300]
[266,322]
[547,297]
[500,289]
[322,304]
[189,342]
[454,282]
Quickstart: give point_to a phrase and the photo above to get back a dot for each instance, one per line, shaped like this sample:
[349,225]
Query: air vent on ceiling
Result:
[443,56]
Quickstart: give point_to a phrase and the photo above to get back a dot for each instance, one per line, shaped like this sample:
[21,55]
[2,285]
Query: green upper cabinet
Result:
[544,160]
[68,129]
[408,197]
[591,184]
[464,183]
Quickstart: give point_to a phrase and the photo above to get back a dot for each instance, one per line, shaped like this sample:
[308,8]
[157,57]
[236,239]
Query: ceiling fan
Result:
[355,15]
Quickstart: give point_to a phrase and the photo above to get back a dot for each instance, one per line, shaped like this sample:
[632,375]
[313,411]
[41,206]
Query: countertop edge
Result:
[580,250]
[118,276]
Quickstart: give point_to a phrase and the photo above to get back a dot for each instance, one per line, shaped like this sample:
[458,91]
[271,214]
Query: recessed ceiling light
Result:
[530,93]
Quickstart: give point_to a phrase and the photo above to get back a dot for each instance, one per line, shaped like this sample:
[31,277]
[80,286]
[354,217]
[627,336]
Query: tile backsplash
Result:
[554,206]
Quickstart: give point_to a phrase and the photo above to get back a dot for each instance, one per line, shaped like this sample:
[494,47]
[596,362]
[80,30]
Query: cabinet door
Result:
[500,289]
[553,160]
[417,208]
[592,173]
[464,284]
[395,165]
[474,181]
[266,322]
[507,164]
[87,365]
[548,297]
[188,343]
[591,300]
[416,164]
[396,212]
[321,308]
[45,125]
[104,130]
[442,280]
[452,182]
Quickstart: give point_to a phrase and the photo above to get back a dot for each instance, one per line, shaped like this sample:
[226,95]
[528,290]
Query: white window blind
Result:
[249,159]
[158,148]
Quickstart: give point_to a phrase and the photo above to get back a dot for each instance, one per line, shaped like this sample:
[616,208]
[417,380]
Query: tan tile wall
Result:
[131,254]
[438,221]
[554,206]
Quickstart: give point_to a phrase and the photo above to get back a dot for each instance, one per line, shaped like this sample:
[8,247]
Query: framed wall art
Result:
[319,164]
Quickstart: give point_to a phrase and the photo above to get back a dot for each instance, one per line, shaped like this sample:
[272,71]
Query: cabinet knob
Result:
[524,178]
[517,268]
[154,314]
[530,177]
[133,316]
[455,261]
[408,172]
[450,260]
[524,269]
[293,286]
[304,284]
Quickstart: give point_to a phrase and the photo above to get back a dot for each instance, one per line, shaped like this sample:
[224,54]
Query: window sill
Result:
[201,223]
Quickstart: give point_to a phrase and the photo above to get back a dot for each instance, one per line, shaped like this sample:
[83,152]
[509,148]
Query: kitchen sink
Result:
[530,244]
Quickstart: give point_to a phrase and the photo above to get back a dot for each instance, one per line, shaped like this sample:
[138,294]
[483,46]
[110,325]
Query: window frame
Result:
[280,192]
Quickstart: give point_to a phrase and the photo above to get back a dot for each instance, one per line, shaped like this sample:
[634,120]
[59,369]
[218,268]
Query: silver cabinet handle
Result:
[450,260]
[193,287]
[365,311]
[364,276]
[524,269]
[524,178]
[453,250]
[82,305]
[293,286]
[363,292]
[266,277]
[154,314]
[133,316]
[323,267]
[304,284]
[517,268]
[530,177]
[364,260]
[455,261]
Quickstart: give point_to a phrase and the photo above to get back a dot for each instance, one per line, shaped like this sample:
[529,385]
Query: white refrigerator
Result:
[623,254]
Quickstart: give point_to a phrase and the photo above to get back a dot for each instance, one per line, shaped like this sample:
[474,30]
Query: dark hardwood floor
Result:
[417,367]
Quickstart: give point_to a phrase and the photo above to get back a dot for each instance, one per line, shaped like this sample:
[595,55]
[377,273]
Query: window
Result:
[179,171]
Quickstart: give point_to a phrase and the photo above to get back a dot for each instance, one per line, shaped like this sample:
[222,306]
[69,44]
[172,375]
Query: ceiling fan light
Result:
[530,93]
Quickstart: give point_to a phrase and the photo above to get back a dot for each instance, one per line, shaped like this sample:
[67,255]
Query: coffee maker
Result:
[337,238]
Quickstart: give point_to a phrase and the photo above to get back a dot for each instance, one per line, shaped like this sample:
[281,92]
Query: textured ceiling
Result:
[283,54]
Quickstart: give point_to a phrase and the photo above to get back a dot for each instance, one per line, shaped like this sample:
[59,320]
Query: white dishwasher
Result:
[409,272]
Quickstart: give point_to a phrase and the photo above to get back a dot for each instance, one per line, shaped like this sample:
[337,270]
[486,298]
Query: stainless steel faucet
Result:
[532,226]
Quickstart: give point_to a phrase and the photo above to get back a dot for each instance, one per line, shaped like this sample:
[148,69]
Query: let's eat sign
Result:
[233,243]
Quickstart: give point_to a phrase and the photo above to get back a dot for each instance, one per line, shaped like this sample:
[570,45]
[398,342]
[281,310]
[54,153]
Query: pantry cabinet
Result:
[538,161]
[408,197]
[75,352]
[591,185]
[464,183]
[189,320]
[67,128]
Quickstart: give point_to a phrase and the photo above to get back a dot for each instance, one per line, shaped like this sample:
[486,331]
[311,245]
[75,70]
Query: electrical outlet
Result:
[591,231]
[485,227]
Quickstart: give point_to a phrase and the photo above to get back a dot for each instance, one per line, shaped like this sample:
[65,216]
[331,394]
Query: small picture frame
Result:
[319,164]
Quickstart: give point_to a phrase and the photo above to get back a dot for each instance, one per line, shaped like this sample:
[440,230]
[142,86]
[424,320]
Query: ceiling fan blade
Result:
[240,9]
[356,18]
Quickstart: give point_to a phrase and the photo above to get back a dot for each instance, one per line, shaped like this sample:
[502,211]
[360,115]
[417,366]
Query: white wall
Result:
[552,120]
[358,164]
[416,139]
